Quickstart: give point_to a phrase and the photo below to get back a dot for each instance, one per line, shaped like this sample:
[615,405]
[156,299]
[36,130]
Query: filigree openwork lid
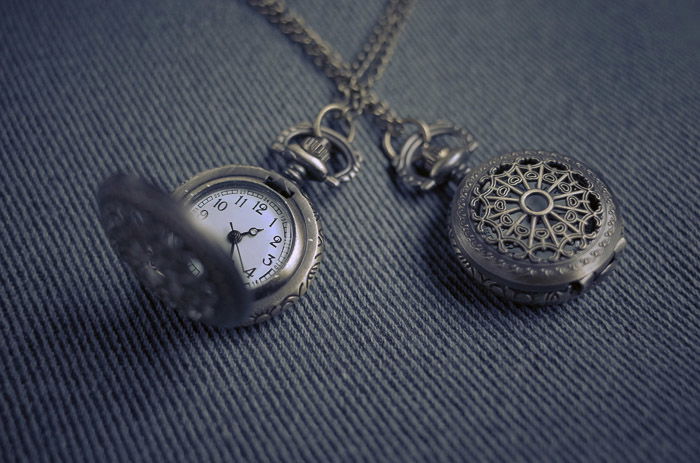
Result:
[537,222]
[174,259]
[535,209]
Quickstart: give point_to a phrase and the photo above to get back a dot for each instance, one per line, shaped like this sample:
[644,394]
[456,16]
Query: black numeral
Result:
[268,260]
[240,201]
[249,272]
[220,205]
[203,214]
[273,222]
[260,207]
[275,241]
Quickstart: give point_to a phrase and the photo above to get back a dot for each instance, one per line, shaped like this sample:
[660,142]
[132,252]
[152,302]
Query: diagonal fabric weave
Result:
[393,355]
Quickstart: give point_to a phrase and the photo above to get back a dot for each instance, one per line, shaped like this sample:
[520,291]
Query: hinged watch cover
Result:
[170,255]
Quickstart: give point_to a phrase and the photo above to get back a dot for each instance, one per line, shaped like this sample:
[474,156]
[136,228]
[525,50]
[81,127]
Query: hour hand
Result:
[252,232]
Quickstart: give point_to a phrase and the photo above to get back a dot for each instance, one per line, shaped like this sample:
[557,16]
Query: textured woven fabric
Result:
[393,355]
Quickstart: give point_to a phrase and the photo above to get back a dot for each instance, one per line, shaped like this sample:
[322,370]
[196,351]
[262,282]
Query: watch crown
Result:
[317,147]
[309,159]
[430,157]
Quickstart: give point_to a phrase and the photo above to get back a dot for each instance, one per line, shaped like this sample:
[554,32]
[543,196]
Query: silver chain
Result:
[353,81]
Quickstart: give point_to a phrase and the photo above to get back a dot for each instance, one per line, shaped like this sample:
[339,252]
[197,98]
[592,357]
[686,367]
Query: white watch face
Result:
[254,225]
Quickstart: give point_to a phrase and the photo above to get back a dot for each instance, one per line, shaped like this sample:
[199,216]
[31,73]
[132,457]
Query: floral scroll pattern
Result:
[536,209]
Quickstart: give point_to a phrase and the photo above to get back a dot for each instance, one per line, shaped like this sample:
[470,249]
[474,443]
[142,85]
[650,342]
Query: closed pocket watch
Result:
[535,227]
[233,245]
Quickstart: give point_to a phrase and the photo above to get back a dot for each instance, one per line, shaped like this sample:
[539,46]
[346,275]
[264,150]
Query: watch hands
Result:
[235,237]
[240,259]
[232,238]
[252,232]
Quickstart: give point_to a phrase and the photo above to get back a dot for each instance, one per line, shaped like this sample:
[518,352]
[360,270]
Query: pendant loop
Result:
[388,142]
[421,163]
[344,111]
[310,147]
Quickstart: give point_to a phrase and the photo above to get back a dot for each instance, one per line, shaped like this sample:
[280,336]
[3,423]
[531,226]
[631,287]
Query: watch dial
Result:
[252,222]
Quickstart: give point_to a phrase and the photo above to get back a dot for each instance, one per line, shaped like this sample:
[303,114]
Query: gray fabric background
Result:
[393,355]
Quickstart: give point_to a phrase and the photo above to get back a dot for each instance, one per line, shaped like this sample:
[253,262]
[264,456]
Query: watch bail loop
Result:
[317,152]
[425,159]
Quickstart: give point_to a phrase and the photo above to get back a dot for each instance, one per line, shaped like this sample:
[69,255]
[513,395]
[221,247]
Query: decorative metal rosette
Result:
[537,227]
[536,209]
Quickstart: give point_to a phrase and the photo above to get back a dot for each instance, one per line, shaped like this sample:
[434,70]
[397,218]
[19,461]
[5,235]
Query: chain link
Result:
[353,81]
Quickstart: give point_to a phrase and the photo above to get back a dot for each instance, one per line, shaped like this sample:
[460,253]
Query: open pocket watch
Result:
[535,227]
[233,245]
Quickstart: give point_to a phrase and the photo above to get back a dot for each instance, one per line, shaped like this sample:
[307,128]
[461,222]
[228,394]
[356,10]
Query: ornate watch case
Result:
[290,281]
[535,227]
[191,266]
[237,244]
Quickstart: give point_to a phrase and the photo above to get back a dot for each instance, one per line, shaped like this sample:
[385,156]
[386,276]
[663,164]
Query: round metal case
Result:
[535,227]
[291,278]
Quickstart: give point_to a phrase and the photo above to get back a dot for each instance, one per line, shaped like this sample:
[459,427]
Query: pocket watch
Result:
[233,245]
[535,227]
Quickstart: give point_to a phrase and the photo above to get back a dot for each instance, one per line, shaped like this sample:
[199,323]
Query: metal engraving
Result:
[535,227]
[536,209]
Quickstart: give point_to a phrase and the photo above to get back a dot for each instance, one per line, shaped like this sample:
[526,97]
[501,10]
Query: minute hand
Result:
[240,259]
